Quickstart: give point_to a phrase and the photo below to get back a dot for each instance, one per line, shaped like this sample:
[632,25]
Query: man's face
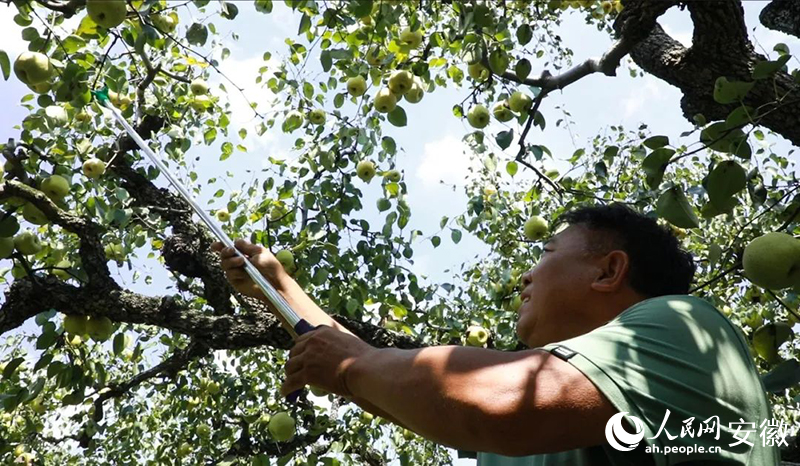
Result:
[556,291]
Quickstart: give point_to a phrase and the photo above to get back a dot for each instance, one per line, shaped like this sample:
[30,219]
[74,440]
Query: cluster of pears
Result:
[503,111]
[401,84]
[98,328]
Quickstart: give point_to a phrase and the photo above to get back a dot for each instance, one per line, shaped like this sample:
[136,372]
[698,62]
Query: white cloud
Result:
[684,37]
[447,159]
[642,96]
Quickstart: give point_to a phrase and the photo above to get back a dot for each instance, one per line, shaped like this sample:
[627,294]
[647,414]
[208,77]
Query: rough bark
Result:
[782,15]
[720,47]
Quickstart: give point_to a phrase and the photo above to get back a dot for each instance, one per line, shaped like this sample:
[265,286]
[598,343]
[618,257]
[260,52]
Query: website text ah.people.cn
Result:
[772,433]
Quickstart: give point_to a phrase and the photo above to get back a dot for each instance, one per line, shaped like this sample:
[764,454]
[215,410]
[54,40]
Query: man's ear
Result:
[614,268]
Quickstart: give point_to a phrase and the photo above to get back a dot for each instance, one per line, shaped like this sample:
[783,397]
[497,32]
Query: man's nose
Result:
[526,278]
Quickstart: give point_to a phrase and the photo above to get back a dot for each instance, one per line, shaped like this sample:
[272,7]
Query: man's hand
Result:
[265,262]
[321,358]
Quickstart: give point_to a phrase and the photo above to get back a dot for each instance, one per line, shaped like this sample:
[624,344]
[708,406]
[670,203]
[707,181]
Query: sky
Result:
[433,159]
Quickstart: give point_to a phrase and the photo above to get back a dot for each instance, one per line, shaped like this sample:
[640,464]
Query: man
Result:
[612,330]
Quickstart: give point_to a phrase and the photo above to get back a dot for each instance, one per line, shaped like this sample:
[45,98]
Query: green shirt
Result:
[673,352]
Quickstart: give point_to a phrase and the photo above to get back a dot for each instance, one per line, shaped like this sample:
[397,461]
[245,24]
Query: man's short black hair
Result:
[658,264]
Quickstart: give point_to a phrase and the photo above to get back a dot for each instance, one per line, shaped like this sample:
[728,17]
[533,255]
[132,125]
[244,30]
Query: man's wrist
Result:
[353,373]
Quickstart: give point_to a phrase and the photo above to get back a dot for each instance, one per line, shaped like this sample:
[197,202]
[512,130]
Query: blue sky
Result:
[431,145]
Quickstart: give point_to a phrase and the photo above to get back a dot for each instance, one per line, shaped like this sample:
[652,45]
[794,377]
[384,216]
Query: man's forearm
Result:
[449,394]
[303,305]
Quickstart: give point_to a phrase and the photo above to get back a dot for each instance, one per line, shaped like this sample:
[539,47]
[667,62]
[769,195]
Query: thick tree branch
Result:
[782,15]
[24,300]
[720,48]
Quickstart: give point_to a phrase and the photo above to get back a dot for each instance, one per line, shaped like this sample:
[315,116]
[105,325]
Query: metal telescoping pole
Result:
[299,325]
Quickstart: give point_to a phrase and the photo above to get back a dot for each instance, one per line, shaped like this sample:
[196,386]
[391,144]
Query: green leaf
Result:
[720,138]
[728,92]
[674,207]
[523,68]
[765,69]
[305,24]
[781,48]
[210,135]
[229,10]
[119,343]
[388,145]
[360,8]
[655,164]
[397,117]
[227,150]
[498,61]
[5,65]
[11,367]
[73,43]
[524,34]
[504,138]
[511,168]
[656,142]
[264,6]
[455,235]
[724,182]
[784,375]
[714,254]
[740,116]
[436,241]
[326,60]
[197,34]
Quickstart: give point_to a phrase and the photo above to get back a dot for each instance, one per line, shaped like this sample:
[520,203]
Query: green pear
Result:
[385,101]
[99,328]
[502,112]
[32,214]
[198,87]
[33,68]
[478,116]
[75,324]
[477,336]
[535,228]
[107,13]
[412,38]
[56,187]
[357,86]
[317,116]
[478,72]
[772,261]
[767,340]
[365,170]
[27,243]
[286,258]
[282,427]
[520,102]
[401,81]
[94,168]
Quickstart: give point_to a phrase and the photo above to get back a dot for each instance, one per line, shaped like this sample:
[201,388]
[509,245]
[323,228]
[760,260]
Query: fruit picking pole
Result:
[299,325]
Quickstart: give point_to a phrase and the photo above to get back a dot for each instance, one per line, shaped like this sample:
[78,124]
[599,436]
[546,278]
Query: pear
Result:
[772,261]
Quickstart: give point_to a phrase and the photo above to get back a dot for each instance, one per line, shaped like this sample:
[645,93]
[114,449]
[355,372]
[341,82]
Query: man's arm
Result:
[513,404]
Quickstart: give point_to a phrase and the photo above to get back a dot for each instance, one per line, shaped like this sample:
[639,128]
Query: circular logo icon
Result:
[621,439]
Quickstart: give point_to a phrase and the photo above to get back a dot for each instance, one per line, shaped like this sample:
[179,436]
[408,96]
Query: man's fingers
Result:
[292,384]
[247,247]
[217,246]
[230,263]
[293,366]
[238,275]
